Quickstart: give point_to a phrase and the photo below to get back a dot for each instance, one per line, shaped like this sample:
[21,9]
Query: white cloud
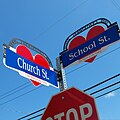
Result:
[109,95]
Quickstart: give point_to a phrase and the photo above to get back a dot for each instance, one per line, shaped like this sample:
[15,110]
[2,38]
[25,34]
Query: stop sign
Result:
[71,104]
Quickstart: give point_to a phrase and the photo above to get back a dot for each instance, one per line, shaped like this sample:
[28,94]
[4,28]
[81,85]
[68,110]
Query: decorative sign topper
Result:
[80,49]
[36,68]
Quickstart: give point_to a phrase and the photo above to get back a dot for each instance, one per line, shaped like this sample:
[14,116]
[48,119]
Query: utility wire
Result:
[32,113]
[13,89]
[102,82]
[116,4]
[96,84]
[20,96]
[95,60]
[69,73]
[12,110]
[105,88]
[51,26]
[107,92]
[72,71]
[35,117]
[95,98]
[78,67]
[85,91]
[66,74]
[60,19]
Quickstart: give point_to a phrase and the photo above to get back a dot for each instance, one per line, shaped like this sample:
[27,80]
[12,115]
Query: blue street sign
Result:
[19,63]
[106,38]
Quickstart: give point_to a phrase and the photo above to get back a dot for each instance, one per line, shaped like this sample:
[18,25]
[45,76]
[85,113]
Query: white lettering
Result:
[103,39]
[49,118]
[18,61]
[106,39]
[72,111]
[33,69]
[44,75]
[38,71]
[83,115]
[82,51]
[71,56]
[28,67]
[24,64]
[91,46]
[85,49]
[59,116]
[76,54]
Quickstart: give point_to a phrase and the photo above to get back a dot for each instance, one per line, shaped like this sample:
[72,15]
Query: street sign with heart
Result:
[38,59]
[35,68]
[77,41]
[97,40]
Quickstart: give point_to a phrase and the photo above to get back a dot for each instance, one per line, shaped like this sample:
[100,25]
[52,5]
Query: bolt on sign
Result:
[71,104]
[98,40]
[35,68]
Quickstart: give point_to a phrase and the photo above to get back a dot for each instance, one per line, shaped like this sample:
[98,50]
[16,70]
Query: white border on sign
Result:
[28,76]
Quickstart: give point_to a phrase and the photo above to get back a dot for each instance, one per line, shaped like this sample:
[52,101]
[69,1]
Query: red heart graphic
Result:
[77,41]
[38,59]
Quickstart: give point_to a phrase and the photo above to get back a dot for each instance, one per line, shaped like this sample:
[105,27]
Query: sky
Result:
[46,25]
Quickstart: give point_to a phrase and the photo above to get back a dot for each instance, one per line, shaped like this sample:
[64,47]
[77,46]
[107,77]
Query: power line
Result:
[43,33]
[20,96]
[95,98]
[12,110]
[116,4]
[95,60]
[68,73]
[14,91]
[105,88]
[32,113]
[85,91]
[102,82]
[47,30]
[52,25]
[35,117]
[96,84]
[107,92]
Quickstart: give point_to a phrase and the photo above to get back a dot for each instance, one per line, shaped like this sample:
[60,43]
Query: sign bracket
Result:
[61,75]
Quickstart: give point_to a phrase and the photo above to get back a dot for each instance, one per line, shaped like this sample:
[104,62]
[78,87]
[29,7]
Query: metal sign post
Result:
[61,75]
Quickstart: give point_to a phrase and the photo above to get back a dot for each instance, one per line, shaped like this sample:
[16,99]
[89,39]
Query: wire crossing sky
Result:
[46,25]
[98,84]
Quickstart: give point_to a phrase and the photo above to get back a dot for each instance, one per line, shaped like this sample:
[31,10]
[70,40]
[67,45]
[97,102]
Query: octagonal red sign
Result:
[71,104]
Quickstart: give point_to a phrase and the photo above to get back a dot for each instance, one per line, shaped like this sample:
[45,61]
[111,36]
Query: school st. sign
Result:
[92,47]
